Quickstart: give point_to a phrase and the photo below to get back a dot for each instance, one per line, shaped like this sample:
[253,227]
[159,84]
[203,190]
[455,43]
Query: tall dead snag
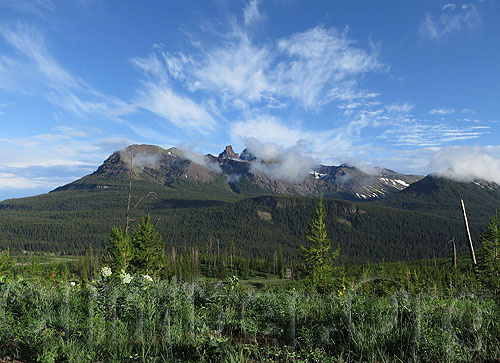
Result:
[454,247]
[471,246]
[128,220]
[127,212]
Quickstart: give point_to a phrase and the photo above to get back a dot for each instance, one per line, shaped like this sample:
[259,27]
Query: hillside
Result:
[68,221]
[441,196]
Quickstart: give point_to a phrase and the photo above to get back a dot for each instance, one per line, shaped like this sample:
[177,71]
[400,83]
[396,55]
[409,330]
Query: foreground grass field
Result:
[125,318]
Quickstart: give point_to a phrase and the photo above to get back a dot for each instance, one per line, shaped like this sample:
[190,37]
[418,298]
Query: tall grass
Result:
[110,321]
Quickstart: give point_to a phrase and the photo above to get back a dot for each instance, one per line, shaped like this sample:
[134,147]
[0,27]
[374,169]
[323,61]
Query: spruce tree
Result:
[148,249]
[6,265]
[489,256]
[317,260]
[120,251]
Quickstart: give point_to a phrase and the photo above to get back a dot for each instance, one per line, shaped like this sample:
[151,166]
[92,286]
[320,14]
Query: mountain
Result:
[228,153]
[244,175]
[198,200]
[441,196]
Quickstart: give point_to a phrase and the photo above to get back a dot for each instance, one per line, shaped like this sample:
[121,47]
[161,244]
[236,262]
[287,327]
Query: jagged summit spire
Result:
[229,153]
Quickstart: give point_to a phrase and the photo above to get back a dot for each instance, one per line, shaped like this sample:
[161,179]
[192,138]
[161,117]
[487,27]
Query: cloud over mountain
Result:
[288,164]
[467,163]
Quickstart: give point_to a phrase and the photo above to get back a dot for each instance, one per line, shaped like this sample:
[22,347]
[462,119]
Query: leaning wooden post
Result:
[472,254]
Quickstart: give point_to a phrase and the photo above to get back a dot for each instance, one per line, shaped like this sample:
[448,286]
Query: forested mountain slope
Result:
[441,196]
[196,206]
[68,221]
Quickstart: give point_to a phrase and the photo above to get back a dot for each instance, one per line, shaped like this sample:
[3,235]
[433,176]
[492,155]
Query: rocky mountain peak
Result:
[246,155]
[228,153]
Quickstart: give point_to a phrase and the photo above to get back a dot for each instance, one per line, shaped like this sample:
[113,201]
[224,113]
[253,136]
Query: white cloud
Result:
[41,162]
[311,68]
[362,165]
[453,19]
[399,108]
[157,96]
[51,79]
[28,41]
[179,110]
[251,12]
[416,133]
[188,152]
[276,162]
[329,146]
[237,71]
[449,7]
[467,163]
[63,146]
[13,181]
[268,129]
[442,111]
[322,65]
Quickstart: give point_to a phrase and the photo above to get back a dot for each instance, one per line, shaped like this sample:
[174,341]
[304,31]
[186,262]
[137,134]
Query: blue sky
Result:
[409,85]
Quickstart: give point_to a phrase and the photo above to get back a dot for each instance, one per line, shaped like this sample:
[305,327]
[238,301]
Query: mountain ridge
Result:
[246,174]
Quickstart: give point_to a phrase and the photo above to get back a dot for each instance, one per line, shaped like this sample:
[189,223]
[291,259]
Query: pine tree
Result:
[317,260]
[120,251]
[6,265]
[148,249]
[489,256]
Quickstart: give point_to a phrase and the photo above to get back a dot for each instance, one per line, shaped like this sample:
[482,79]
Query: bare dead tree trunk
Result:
[128,220]
[454,252]
[127,212]
[471,246]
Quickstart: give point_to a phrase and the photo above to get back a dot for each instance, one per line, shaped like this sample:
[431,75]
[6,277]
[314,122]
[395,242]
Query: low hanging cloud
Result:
[145,160]
[141,159]
[363,166]
[187,151]
[467,163]
[275,162]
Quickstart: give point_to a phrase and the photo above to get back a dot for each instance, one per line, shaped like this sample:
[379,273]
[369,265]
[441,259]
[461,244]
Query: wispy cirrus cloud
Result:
[238,71]
[411,132]
[311,68]
[158,96]
[40,162]
[322,66]
[453,19]
[251,12]
[442,111]
[399,107]
[37,71]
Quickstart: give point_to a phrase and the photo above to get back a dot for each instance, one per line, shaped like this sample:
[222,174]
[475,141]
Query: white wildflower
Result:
[126,278]
[72,283]
[147,277]
[106,271]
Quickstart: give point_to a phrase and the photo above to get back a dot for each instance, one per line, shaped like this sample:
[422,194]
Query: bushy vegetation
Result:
[133,318]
